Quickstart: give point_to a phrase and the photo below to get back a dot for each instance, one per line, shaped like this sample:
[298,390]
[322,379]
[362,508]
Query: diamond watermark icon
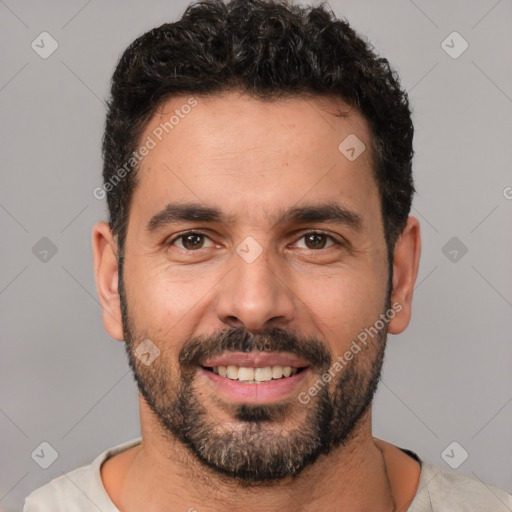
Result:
[147,352]
[454,45]
[454,455]
[44,45]
[249,249]
[351,147]
[45,455]
[454,249]
[44,250]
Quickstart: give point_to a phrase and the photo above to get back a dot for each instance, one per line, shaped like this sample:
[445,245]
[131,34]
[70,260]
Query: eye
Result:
[190,241]
[316,240]
[194,240]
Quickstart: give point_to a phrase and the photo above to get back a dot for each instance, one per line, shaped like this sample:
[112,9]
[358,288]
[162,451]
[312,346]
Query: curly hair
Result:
[268,49]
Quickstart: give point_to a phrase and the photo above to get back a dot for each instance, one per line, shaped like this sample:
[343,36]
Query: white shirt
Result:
[439,490]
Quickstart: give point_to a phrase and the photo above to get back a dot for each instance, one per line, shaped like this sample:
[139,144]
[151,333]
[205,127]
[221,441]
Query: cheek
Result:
[343,304]
[161,298]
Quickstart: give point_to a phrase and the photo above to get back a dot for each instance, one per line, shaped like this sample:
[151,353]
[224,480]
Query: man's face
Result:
[255,288]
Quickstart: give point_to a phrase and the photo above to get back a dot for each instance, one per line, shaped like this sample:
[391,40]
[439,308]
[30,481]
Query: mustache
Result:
[199,348]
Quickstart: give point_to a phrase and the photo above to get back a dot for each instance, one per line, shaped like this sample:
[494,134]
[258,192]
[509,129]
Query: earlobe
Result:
[106,275]
[405,271]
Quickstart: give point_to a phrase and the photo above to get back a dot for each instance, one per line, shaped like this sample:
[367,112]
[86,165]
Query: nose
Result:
[255,295]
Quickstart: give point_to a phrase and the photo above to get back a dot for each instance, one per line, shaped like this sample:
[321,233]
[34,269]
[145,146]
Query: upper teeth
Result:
[254,374]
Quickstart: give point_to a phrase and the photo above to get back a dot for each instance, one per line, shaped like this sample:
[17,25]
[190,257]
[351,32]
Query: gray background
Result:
[446,378]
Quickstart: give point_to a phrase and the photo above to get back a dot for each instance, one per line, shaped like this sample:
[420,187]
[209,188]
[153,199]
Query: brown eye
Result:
[317,241]
[190,241]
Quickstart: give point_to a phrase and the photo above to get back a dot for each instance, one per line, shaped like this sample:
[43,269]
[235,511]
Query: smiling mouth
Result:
[255,375]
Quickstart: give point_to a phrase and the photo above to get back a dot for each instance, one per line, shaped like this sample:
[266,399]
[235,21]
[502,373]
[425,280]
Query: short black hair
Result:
[269,49]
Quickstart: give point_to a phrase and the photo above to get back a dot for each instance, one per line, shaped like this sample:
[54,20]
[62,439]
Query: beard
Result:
[255,446]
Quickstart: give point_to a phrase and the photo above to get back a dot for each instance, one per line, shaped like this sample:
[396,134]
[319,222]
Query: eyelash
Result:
[314,232]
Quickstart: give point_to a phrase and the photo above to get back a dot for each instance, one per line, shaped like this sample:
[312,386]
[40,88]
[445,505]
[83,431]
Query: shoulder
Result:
[67,492]
[441,489]
[79,490]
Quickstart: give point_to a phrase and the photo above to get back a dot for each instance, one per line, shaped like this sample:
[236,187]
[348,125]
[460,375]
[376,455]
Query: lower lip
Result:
[261,392]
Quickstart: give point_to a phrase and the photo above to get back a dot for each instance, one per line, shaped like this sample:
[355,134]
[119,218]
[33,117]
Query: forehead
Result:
[238,154]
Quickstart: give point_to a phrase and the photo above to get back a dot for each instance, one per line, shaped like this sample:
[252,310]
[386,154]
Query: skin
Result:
[269,156]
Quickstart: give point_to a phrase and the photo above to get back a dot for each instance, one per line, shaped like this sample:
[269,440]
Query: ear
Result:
[405,270]
[106,274]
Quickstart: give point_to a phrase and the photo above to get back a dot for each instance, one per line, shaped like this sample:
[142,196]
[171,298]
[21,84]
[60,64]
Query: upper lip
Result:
[255,360]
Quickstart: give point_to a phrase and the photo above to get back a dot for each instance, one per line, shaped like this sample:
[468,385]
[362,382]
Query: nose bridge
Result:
[252,294]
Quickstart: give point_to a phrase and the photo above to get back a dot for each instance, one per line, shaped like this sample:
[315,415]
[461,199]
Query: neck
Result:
[353,477]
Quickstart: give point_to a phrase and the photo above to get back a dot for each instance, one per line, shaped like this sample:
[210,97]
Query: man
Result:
[258,252]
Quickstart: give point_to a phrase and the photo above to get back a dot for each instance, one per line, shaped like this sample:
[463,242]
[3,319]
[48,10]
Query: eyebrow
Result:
[332,212]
